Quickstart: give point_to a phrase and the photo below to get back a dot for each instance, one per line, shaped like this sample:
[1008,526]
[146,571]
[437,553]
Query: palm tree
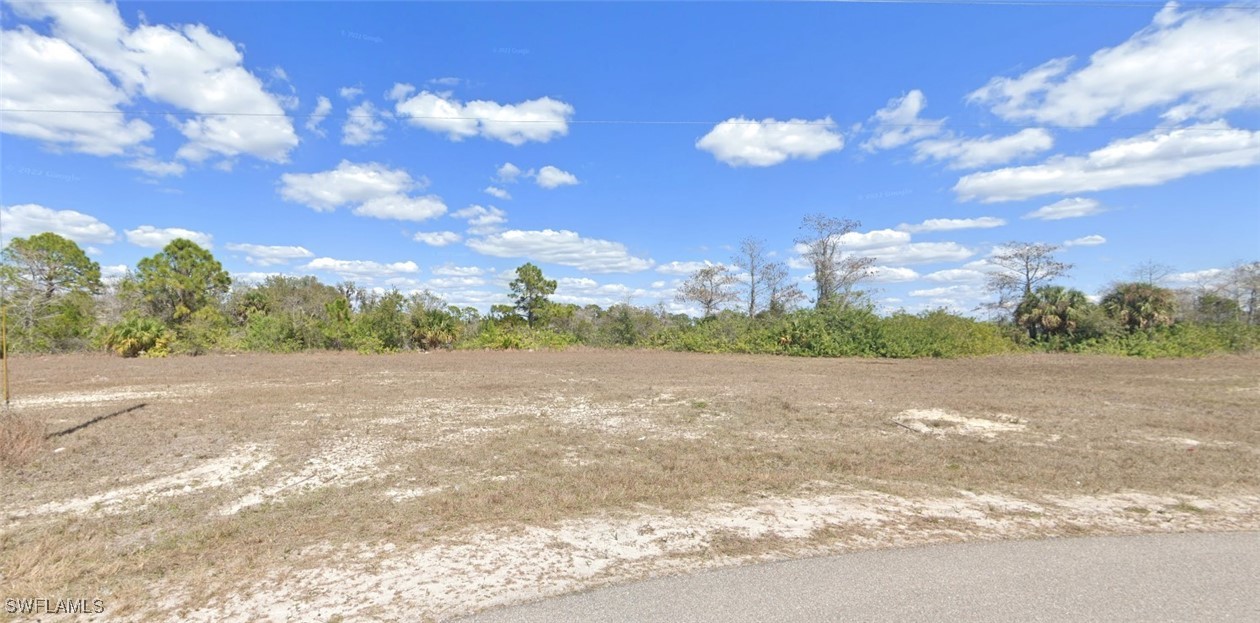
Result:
[1051,310]
[1140,305]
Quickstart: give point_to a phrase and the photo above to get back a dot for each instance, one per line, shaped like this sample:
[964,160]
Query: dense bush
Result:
[138,337]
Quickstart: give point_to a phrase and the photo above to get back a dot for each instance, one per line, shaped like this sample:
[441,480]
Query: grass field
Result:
[330,487]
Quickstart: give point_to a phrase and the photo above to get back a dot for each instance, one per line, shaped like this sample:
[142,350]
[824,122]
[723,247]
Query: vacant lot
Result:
[405,487]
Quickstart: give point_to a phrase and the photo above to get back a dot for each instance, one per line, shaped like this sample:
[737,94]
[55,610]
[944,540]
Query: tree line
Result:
[181,300]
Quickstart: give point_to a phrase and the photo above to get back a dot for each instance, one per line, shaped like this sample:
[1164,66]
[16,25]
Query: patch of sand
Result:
[108,396]
[480,570]
[218,472]
[939,422]
[343,463]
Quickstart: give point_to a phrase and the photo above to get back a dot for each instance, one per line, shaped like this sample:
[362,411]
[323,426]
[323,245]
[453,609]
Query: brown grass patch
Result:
[21,439]
[301,480]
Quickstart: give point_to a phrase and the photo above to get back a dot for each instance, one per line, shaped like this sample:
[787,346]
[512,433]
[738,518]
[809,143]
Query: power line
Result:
[488,120]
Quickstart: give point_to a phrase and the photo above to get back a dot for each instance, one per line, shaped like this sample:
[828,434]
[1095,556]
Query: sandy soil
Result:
[305,487]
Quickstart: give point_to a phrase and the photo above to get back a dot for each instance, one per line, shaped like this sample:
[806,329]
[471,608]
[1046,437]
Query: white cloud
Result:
[507,173]
[952,224]
[562,247]
[45,73]
[551,177]
[920,253]
[1205,277]
[965,153]
[889,274]
[362,269]
[437,238]
[28,219]
[459,271]
[402,208]
[349,93]
[956,275]
[110,274]
[187,67]
[1085,241]
[374,189]
[362,126]
[537,120]
[269,255]
[1072,207]
[157,168]
[495,191]
[481,219]
[949,292]
[898,123]
[152,237]
[683,268]
[742,142]
[443,283]
[323,106]
[879,238]
[1193,64]
[1147,160]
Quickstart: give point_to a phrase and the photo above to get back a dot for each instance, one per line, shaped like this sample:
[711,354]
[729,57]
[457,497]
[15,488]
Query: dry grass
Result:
[21,439]
[462,480]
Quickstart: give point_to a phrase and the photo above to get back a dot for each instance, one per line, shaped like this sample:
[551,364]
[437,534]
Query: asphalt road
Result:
[1171,577]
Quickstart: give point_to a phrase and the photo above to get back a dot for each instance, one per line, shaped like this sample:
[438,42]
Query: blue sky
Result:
[622,145]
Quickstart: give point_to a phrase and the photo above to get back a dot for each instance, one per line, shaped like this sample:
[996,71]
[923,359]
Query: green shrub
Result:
[138,337]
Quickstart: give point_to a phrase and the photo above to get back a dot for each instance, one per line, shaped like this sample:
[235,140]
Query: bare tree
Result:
[710,287]
[781,294]
[1151,273]
[1025,266]
[751,260]
[836,273]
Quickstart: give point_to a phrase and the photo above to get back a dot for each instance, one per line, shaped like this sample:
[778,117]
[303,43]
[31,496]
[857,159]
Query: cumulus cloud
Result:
[551,177]
[323,106]
[28,219]
[187,67]
[919,253]
[269,255]
[458,271]
[741,142]
[1072,207]
[538,120]
[1085,241]
[361,269]
[890,274]
[499,193]
[1186,64]
[482,219]
[562,247]
[973,153]
[374,189]
[507,173]
[683,268]
[152,237]
[957,275]
[1147,160]
[46,73]
[437,238]
[898,123]
[952,224]
[362,125]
